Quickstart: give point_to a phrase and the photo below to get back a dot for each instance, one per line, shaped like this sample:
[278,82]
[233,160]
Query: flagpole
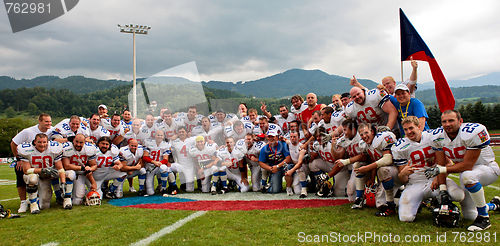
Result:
[402,71]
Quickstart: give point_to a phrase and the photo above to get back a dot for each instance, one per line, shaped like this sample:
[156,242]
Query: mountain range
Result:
[286,84]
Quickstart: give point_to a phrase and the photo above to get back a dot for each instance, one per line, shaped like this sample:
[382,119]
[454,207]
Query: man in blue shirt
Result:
[407,106]
[273,158]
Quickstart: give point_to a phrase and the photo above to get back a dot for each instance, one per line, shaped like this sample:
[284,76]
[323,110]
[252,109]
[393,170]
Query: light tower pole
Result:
[134,29]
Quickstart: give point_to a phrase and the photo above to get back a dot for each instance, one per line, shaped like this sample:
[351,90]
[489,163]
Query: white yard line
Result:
[7,182]
[10,199]
[50,244]
[489,186]
[168,229]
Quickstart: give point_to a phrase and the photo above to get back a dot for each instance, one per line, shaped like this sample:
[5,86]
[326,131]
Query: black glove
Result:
[49,173]
[444,197]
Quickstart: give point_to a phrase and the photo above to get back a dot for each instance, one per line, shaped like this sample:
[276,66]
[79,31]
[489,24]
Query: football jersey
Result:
[351,146]
[381,142]
[230,132]
[131,158]
[294,151]
[297,112]
[285,123]
[169,130]
[98,133]
[140,137]
[371,111]
[63,130]
[324,151]
[204,156]
[225,156]
[257,130]
[180,150]
[417,154]
[107,160]
[214,134]
[119,130]
[156,152]
[190,124]
[28,135]
[80,158]
[229,117]
[470,136]
[148,133]
[28,153]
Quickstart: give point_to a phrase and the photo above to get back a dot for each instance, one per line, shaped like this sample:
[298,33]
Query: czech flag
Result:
[412,45]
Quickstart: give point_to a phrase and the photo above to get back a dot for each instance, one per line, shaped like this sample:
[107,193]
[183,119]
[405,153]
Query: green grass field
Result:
[110,225]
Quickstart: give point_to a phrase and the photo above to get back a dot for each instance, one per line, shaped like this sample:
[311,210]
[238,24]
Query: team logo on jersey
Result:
[383,93]
[389,139]
[438,139]
[483,136]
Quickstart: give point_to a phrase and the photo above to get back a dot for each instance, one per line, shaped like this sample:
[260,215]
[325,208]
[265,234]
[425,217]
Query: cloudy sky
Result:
[247,40]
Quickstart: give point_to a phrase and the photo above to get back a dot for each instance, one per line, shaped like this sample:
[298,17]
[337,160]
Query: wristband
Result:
[442,169]
[442,187]
[345,161]
[60,170]
[30,171]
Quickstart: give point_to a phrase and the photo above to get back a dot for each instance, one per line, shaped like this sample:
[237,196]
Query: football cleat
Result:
[496,201]
[23,207]
[265,188]
[480,223]
[173,190]
[141,193]
[119,194]
[132,189]
[224,190]
[34,208]
[213,190]
[110,195]
[386,210]
[358,203]
[67,203]
[289,191]
[303,194]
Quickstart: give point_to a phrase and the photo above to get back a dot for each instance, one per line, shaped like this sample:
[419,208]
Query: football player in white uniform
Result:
[204,153]
[210,132]
[27,136]
[191,121]
[235,130]
[378,146]
[297,171]
[131,158]
[41,162]
[169,126]
[323,160]
[116,129]
[64,130]
[298,105]
[156,161]
[467,145]
[371,106]
[246,151]
[226,156]
[184,164]
[79,159]
[108,167]
[148,129]
[95,129]
[411,154]
[284,117]
[348,145]
[134,133]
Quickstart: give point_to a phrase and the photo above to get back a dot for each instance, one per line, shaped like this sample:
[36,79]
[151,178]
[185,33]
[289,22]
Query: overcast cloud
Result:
[247,40]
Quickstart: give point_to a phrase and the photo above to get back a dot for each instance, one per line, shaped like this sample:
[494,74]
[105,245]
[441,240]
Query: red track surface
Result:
[244,205]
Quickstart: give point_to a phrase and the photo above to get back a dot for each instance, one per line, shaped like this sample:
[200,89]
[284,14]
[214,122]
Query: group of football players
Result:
[360,142]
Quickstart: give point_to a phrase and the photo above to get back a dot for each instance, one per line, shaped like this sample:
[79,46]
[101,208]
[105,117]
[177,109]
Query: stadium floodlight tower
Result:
[134,29]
